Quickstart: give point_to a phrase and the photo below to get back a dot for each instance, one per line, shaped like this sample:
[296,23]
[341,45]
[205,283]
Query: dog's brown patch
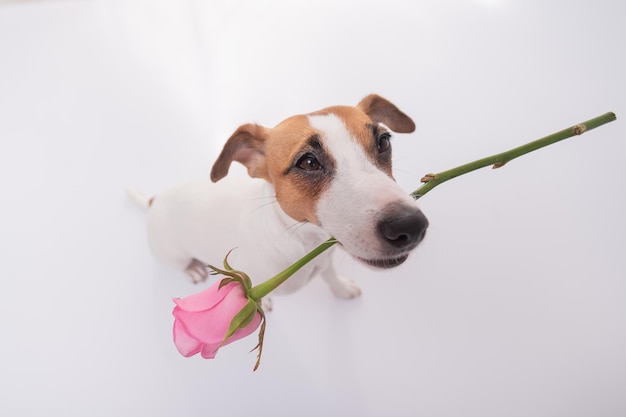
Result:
[364,131]
[297,190]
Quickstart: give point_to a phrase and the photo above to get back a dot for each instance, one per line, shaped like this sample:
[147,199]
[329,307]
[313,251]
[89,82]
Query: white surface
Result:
[515,305]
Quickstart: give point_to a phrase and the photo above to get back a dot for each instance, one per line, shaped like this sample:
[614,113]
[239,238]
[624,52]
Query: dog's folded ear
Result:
[380,110]
[247,146]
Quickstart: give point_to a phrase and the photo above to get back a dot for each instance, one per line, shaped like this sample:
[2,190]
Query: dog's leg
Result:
[340,286]
[196,271]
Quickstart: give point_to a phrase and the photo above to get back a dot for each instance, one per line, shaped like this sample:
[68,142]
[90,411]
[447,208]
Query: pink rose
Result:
[202,320]
[228,310]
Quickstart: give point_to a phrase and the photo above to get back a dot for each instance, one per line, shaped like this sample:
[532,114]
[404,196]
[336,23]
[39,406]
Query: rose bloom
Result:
[202,320]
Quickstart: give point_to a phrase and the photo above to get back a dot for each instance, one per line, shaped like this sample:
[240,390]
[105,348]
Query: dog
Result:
[313,176]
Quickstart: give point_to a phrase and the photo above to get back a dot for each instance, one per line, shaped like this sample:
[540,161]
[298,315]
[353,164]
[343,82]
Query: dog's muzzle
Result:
[400,230]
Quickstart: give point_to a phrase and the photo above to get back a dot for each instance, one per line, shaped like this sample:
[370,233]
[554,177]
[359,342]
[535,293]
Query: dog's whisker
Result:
[264,197]
[293,228]
[269,203]
[265,205]
[405,173]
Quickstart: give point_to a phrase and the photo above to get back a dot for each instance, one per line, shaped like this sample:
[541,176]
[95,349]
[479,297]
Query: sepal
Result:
[241,319]
[259,346]
[238,276]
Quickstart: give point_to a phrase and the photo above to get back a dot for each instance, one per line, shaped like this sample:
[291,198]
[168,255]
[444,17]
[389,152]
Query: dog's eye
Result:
[384,142]
[308,163]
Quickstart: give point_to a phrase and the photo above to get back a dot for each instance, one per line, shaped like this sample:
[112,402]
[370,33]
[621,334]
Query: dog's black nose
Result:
[404,228]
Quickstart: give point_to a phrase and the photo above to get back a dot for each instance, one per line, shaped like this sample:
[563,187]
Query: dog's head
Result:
[332,168]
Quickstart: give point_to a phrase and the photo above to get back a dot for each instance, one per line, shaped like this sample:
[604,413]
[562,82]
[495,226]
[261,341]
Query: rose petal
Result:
[186,345]
[210,326]
[206,299]
[209,351]
[201,329]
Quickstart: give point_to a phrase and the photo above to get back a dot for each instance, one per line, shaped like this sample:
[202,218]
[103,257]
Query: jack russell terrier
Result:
[314,176]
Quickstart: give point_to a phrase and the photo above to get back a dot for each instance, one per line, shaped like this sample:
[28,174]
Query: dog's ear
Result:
[381,110]
[246,145]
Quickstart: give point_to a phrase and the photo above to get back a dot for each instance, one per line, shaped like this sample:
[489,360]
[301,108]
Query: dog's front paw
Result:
[266,303]
[197,271]
[344,287]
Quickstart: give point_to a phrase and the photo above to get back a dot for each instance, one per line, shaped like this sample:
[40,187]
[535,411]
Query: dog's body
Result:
[323,174]
[244,217]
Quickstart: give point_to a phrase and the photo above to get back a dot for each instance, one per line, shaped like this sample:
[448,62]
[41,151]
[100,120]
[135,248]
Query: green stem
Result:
[433,180]
[259,291]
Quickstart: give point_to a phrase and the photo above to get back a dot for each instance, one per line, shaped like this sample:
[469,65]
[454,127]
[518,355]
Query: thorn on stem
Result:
[579,129]
[499,165]
[428,177]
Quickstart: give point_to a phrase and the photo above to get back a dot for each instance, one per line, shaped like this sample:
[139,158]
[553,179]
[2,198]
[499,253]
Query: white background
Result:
[515,304]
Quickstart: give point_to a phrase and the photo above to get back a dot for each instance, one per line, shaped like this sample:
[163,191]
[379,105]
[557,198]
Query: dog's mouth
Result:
[385,263]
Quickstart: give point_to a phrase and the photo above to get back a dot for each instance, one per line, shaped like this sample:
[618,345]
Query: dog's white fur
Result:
[318,175]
